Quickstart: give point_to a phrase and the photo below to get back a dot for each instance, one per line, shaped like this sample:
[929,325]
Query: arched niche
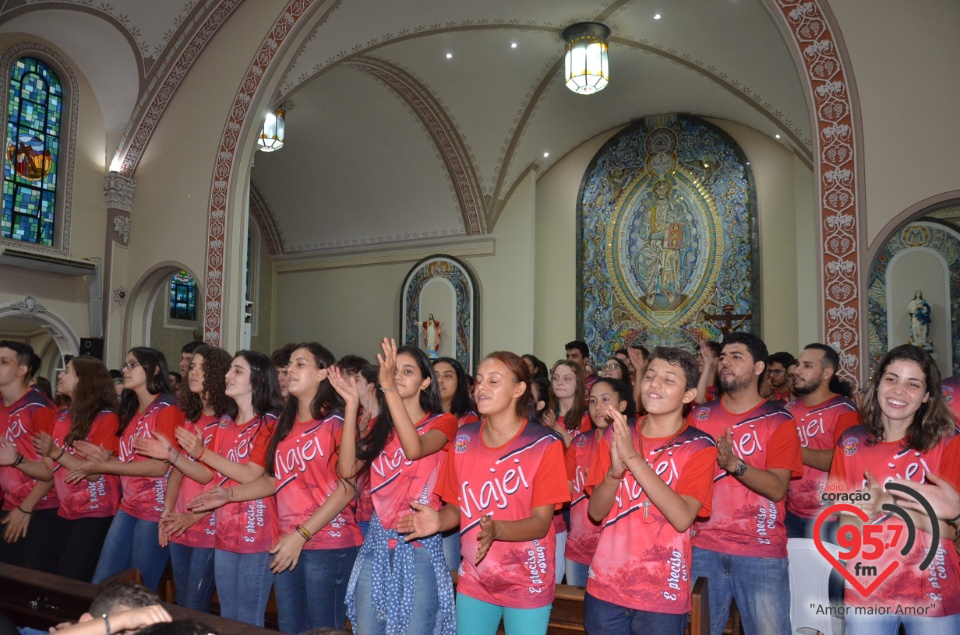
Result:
[445,288]
[138,318]
[60,338]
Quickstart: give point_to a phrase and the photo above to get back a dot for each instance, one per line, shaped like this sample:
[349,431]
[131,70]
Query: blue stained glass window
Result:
[183,297]
[34,107]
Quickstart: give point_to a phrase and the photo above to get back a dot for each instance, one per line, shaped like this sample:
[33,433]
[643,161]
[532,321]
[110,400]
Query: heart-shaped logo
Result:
[859,513]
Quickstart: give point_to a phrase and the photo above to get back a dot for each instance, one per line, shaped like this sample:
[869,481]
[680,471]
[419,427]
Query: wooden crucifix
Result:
[728,321]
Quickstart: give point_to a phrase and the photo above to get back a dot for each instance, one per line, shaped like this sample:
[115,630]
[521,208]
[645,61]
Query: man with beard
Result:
[822,416]
[742,548]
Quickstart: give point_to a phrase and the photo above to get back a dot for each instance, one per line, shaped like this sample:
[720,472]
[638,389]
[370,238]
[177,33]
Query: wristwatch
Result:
[740,470]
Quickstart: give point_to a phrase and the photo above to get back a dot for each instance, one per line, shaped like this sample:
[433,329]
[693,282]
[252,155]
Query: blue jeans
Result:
[761,587]
[243,585]
[560,557]
[192,576]
[132,543]
[312,595]
[451,549]
[476,617]
[425,602]
[577,573]
[601,618]
[890,624]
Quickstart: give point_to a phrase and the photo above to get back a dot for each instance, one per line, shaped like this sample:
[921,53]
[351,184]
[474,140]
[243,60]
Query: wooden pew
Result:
[41,600]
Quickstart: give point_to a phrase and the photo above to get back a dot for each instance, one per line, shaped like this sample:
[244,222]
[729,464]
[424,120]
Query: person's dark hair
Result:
[526,404]
[715,347]
[177,376]
[191,347]
[43,385]
[579,345]
[24,353]
[624,371]
[932,423]
[430,396]
[623,392]
[462,403]
[755,346]
[177,627]
[573,417]
[682,359]
[280,358]
[325,399]
[35,363]
[216,363]
[841,387]
[263,384]
[116,375]
[786,359]
[831,359]
[128,594]
[541,368]
[92,394]
[351,364]
[541,392]
[154,364]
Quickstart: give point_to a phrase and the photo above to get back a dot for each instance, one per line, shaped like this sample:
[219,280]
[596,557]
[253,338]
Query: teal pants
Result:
[475,617]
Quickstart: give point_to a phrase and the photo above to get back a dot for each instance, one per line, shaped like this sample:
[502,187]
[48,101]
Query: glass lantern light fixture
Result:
[272,133]
[586,62]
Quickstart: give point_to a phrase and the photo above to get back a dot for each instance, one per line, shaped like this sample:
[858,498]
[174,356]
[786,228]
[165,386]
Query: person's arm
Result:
[130,621]
[159,447]
[604,477]
[264,486]
[37,470]
[819,459]
[772,483]
[709,372]
[18,519]
[288,548]
[522,530]
[426,521]
[346,386]
[192,444]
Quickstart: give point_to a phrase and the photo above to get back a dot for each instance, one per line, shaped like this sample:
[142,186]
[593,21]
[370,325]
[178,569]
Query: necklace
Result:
[666,445]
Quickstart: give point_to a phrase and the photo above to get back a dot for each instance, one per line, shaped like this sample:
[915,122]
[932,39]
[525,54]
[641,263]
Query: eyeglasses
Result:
[611,367]
[776,372]
[129,366]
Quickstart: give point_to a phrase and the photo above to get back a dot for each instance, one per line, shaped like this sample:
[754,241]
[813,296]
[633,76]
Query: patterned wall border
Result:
[138,133]
[942,239]
[836,169]
[444,133]
[64,218]
[443,267]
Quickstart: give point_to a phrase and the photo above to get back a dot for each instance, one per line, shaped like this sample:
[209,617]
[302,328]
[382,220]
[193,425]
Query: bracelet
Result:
[62,452]
[614,476]
[200,456]
[230,494]
[174,461]
[394,389]
[24,511]
[18,460]
[106,621]
[303,532]
[955,522]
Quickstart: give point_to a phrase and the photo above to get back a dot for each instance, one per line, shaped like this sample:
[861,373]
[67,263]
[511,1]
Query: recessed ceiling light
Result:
[546,154]
[776,136]
[513,45]
[449,56]
[748,163]
[656,16]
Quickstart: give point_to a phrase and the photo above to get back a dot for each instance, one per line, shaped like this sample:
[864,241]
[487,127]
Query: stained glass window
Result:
[33,143]
[183,297]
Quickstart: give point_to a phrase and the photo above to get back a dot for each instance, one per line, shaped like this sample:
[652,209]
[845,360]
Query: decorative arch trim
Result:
[68,140]
[67,339]
[836,167]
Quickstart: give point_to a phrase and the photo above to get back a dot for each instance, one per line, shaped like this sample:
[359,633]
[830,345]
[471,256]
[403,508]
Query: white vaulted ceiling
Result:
[389,140]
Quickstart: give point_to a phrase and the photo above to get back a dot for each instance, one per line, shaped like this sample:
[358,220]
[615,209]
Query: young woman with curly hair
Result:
[87,506]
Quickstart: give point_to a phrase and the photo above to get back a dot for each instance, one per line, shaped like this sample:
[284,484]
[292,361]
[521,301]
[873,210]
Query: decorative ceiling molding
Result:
[153,102]
[444,133]
[260,211]
[476,246]
[832,98]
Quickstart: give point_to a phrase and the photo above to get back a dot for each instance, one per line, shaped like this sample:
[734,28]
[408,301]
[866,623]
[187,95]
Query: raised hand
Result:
[621,438]
[156,447]
[44,445]
[388,363]
[345,385]
[8,453]
[85,469]
[209,500]
[489,531]
[938,492]
[423,522]
[192,443]
[878,497]
[90,451]
[726,458]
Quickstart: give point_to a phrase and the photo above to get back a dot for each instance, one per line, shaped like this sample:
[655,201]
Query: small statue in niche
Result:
[919,311]
[432,329]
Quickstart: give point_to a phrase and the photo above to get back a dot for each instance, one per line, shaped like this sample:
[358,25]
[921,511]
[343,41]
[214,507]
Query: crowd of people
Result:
[353,490]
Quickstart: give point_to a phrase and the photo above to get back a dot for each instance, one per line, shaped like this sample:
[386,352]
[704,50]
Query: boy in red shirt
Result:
[650,480]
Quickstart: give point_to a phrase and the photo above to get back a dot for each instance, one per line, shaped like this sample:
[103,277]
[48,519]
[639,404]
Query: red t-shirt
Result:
[19,422]
[586,424]
[86,499]
[306,473]
[819,427]
[642,562]
[742,522]
[143,495]
[468,417]
[247,526]
[201,534]
[938,588]
[506,483]
[584,533]
[395,480]
[950,388]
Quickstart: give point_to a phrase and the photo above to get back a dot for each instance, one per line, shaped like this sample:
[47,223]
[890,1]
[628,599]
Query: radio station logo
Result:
[870,543]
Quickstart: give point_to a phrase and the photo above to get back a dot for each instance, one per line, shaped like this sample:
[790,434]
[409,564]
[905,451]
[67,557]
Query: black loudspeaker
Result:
[92,346]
